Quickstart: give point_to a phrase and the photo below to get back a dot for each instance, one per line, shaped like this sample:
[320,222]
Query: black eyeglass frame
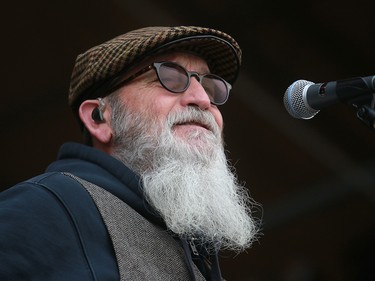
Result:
[157,65]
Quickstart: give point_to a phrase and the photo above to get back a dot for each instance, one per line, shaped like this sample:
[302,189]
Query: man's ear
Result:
[94,116]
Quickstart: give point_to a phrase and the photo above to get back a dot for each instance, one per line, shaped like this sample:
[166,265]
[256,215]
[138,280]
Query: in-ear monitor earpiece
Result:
[97,113]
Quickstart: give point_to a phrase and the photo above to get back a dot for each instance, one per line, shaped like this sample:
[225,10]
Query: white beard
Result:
[186,179]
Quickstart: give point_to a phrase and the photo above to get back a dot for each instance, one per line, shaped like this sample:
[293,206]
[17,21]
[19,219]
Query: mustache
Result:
[193,115]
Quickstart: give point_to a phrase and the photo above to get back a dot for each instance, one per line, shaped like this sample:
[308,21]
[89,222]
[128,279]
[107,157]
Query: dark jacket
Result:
[50,229]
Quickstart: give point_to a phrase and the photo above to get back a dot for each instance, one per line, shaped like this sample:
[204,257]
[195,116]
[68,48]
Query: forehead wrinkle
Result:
[191,62]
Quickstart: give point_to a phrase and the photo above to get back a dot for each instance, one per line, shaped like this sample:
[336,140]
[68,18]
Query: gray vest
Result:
[143,251]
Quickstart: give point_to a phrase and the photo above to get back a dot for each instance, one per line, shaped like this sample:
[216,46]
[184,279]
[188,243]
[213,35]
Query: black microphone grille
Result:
[295,100]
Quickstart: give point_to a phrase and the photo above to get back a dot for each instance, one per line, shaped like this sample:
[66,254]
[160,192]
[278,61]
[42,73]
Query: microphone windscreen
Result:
[295,100]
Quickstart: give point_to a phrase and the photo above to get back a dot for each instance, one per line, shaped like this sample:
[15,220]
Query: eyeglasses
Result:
[176,79]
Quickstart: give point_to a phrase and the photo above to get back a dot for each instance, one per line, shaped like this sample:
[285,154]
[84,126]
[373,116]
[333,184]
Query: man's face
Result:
[174,143]
[146,93]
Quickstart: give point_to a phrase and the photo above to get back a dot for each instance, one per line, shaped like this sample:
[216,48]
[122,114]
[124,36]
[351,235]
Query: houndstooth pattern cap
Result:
[100,64]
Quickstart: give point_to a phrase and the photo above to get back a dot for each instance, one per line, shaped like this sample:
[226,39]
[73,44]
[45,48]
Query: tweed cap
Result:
[99,65]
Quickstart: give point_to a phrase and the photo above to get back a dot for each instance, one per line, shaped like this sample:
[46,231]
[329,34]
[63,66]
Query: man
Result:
[151,197]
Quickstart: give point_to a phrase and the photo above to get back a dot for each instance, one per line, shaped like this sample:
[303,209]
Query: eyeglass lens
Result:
[176,79]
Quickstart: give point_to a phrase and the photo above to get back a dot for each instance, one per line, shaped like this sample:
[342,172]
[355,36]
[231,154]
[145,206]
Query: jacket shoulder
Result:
[45,227]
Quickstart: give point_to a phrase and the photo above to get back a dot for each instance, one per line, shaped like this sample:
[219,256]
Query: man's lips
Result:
[193,123]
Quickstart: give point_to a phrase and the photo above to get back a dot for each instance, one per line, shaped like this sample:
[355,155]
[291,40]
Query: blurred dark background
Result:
[315,179]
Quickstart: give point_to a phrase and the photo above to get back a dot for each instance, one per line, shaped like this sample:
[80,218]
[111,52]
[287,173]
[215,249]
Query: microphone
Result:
[304,99]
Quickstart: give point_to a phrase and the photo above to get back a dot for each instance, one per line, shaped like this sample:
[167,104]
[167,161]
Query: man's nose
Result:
[196,95]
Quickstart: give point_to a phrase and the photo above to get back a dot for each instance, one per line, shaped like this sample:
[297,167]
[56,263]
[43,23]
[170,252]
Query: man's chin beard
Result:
[188,182]
[198,197]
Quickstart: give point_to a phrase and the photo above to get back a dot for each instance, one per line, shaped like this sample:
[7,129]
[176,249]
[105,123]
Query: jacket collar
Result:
[107,172]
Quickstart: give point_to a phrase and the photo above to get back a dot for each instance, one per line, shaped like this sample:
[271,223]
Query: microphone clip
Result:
[366,113]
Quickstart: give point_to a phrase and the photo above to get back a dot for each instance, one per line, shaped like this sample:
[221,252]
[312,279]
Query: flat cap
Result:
[101,64]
